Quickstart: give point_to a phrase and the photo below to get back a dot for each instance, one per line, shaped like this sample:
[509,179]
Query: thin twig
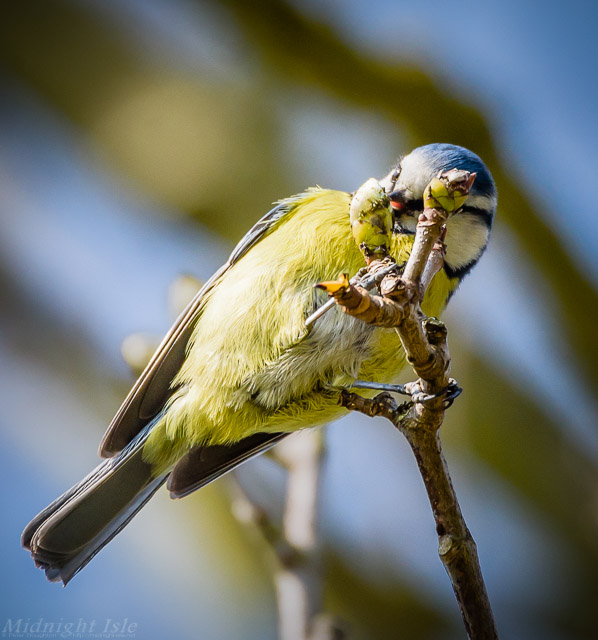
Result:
[297,570]
[299,588]
[369,281]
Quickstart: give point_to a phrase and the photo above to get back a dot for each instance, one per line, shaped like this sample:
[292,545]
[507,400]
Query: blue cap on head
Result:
[441,156]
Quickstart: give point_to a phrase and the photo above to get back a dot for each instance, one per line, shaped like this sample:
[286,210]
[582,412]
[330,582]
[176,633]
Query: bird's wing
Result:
[201,465]
[151,391]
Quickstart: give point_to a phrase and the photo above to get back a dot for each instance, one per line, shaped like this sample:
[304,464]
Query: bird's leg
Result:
[381,386]
[413,389]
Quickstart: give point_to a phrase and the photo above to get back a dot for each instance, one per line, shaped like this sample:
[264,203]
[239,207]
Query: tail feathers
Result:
[66,535]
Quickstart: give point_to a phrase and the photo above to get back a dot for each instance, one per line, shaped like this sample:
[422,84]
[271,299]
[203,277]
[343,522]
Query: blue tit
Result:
[239,370]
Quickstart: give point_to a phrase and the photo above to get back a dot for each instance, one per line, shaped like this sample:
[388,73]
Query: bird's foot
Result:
[413,389]
[448,394]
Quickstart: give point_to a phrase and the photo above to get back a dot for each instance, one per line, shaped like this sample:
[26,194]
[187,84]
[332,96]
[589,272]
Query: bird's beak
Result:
[403,215]
[397,200]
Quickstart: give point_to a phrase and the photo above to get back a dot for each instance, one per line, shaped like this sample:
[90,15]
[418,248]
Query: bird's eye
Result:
[394,176]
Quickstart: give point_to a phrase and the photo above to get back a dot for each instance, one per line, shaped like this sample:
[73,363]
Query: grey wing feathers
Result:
[201,465]
[152,389]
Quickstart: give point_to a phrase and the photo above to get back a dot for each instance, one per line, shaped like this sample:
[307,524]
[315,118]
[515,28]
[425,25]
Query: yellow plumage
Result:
[251,366]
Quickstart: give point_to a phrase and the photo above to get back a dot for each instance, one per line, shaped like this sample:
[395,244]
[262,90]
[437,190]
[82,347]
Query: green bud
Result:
[371,218]
[449,190]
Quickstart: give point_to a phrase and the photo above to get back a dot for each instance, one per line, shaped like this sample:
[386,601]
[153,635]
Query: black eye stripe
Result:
[412,206]
[483,214]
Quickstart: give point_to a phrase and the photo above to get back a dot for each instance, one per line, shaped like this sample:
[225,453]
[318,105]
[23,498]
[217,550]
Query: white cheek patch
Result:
[415,175]
[466,237]
[487,203]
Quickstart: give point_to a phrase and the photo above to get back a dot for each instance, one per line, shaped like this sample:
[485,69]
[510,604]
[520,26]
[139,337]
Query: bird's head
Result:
[467,232]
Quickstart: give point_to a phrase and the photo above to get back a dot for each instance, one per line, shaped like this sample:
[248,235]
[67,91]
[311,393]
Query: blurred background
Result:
[139,139]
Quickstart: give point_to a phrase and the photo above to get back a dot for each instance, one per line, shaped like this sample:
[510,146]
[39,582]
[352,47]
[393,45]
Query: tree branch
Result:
[425,343]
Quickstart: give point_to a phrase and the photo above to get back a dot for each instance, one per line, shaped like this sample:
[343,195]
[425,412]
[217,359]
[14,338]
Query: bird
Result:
[239,370]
